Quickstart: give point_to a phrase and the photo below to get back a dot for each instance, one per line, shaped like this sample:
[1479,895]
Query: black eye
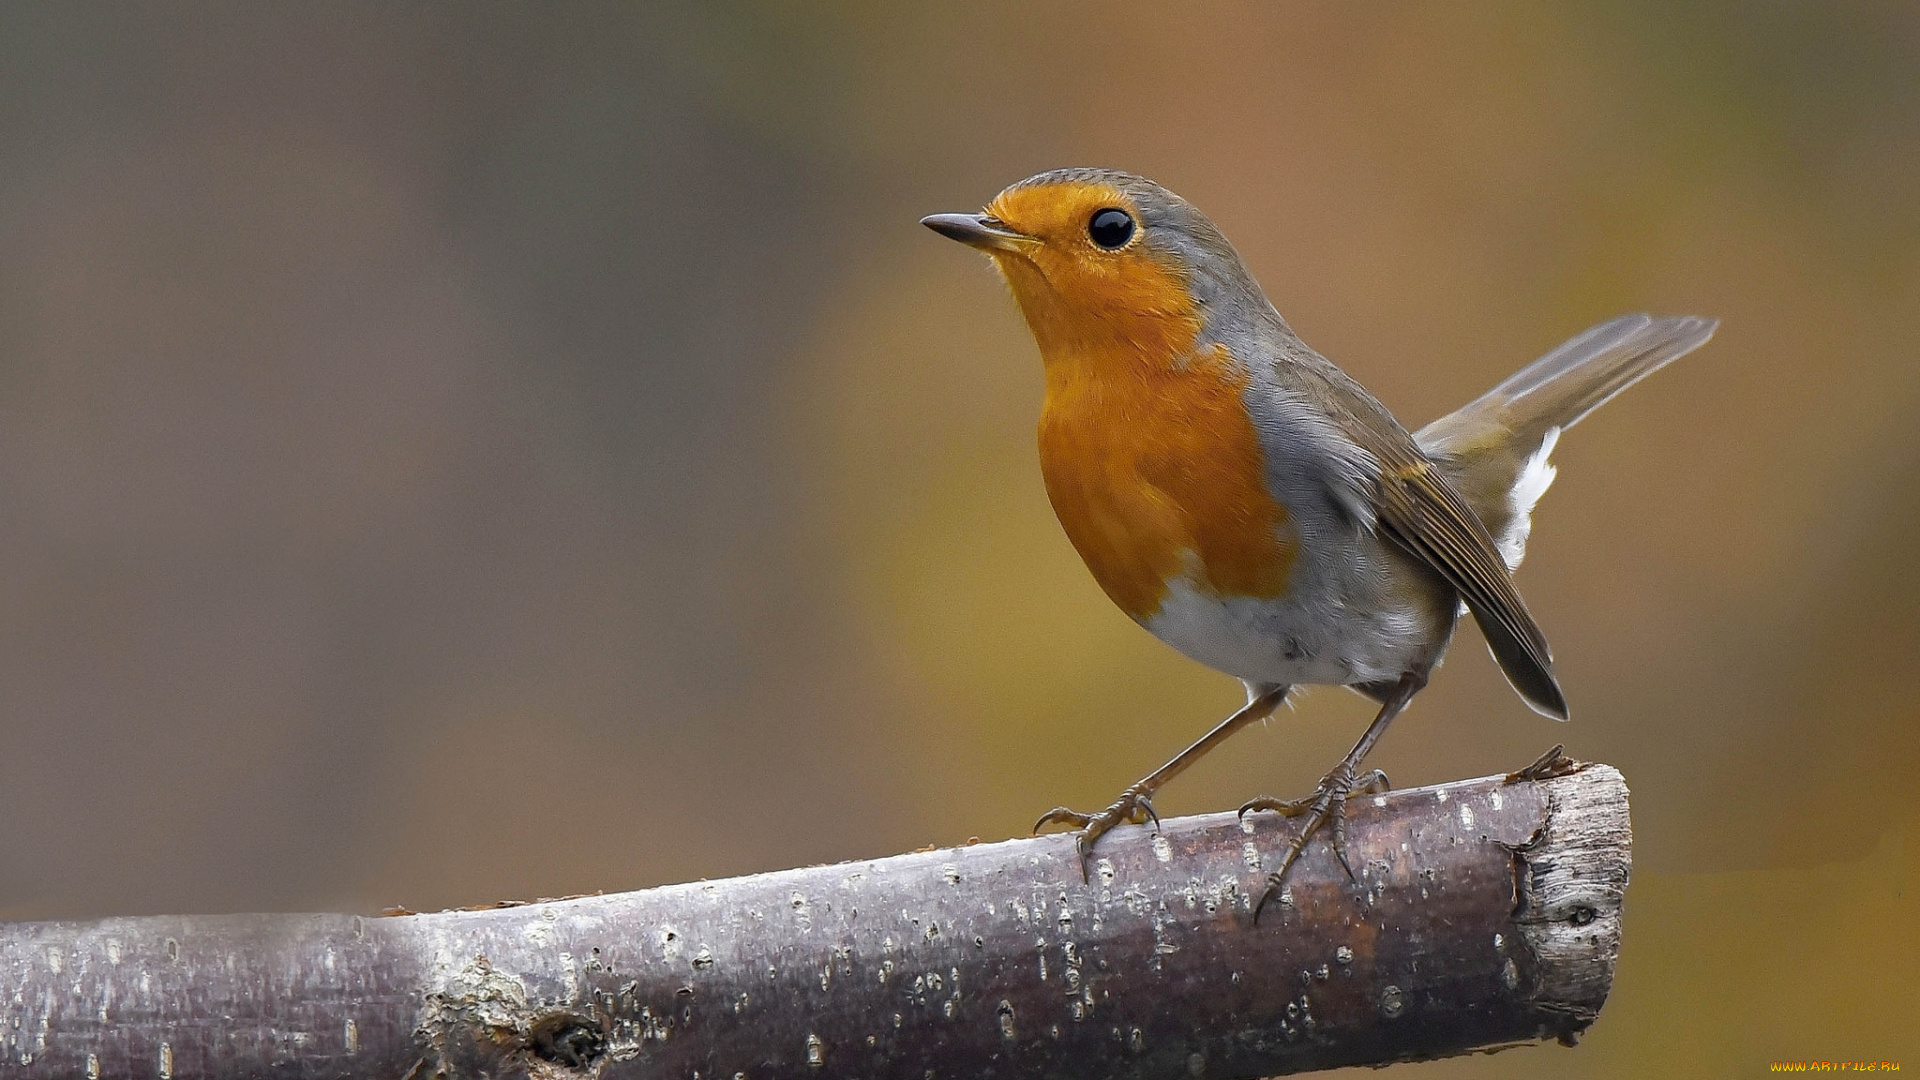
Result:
[1111,228]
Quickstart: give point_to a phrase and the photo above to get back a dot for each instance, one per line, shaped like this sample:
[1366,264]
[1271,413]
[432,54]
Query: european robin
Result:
[1248,502]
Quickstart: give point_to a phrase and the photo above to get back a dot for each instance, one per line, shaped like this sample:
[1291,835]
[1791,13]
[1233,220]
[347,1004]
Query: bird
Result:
[1249,503]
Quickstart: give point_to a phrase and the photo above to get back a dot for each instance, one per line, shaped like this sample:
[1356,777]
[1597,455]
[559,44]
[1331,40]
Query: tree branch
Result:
[1484,912]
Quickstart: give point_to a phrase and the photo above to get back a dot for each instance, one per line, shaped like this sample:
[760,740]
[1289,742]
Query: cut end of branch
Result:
[1571,880]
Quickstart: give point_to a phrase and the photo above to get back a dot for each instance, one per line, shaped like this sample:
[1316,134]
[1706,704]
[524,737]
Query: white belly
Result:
[1334,638]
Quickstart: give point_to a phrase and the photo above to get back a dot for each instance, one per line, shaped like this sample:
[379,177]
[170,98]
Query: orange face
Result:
[1080,296]
[1150,458]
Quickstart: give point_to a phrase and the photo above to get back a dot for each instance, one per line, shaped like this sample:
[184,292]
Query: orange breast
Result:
[1156,471]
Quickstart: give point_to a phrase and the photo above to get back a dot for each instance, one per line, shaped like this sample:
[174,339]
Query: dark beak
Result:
[978,230]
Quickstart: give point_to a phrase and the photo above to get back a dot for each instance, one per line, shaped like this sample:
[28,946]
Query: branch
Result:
[1484,912]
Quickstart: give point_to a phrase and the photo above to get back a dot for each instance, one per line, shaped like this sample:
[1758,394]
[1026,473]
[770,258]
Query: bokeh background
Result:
[453,452]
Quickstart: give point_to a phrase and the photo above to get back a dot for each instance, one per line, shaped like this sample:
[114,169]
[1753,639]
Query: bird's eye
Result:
[1110,228]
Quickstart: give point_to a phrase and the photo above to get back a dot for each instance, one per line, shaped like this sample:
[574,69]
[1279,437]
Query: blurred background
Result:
[460,452]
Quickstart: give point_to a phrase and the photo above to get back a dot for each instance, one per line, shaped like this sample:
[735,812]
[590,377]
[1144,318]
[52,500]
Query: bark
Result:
[1482,913]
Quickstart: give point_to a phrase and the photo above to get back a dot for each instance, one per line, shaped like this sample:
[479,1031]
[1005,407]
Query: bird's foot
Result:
[1551,764]
[1326,806]
[1132,807]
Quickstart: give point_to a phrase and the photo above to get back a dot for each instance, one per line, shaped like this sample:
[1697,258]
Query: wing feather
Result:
[1419,509]
[1422,512]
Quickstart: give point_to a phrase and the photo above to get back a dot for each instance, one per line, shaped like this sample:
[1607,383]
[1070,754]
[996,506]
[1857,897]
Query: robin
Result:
[1248,502]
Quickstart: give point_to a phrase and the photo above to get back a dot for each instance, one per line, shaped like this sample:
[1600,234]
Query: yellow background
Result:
[454,454]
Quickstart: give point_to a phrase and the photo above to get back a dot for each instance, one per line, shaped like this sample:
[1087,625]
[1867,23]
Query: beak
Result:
[979,230]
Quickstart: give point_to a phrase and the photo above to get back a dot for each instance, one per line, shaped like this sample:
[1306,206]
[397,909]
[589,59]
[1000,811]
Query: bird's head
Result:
[1101,260]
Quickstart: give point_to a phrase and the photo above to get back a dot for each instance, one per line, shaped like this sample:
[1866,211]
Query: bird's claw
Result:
[1551,764]
[1132,807]
[1326,806]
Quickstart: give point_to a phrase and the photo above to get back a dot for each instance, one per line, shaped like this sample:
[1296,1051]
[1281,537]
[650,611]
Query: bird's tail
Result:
[1495,448]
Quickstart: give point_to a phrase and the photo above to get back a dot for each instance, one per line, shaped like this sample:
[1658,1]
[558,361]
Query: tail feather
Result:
[1561,388]
[1495,448]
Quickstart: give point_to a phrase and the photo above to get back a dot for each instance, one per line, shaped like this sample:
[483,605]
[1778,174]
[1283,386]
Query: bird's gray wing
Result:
[1418,508]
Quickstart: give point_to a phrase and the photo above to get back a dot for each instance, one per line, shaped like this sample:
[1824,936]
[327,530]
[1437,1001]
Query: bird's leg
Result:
[1136,803]
[1328,804]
